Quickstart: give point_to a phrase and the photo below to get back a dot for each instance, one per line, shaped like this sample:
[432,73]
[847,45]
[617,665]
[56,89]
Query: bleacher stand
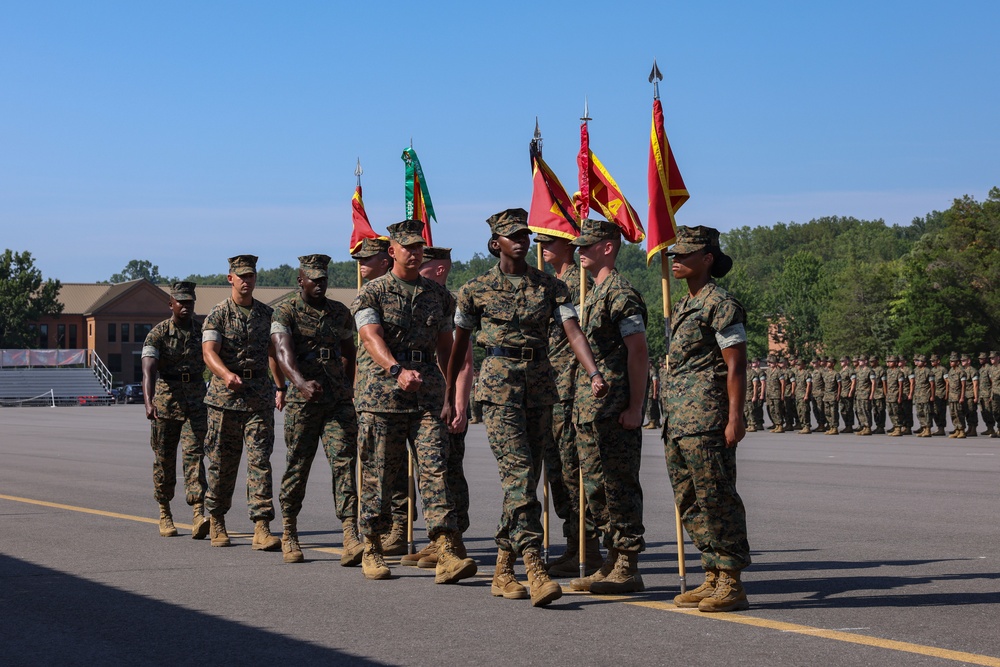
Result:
[53,377]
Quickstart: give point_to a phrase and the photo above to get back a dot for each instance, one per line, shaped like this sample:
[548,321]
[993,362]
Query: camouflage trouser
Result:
[164,436]
[791,413]
[227,432]
[518,436]
[847,411]
[610,456]
[382,438]
[957,409]
[802,410]
[477,411]
[863,409]
[757,414]
[653,412]
[894,414]
[878,413]
[939,412]
[989,417]
[564,437]
[923,408]
[819,412]
[457,485]
[336,424]
[703,475]
[971,414]
[830,414]
[776,410]
[906,413]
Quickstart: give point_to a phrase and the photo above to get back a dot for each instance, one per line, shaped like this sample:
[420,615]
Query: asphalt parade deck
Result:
[867,551]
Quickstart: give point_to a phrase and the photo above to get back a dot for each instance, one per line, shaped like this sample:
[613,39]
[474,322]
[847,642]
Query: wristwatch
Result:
[395,370]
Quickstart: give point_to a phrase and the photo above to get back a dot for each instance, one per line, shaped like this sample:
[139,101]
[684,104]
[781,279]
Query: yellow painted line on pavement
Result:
[837,635]
[781,626]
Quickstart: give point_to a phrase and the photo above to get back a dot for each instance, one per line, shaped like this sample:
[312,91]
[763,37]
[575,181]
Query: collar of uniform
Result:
[302,304]
[254,306]
[172,328]
[697,302]
[498,280]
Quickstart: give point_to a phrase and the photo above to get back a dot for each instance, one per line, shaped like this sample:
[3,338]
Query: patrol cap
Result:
[845,358]
[182,291]
[953,356]
[509,222]
[314,266]
[965,357]
[593,230]
[432,253]
[545,238]
[371,247]
[921,357]
[240,265]
[771,359]
[982,356]
[692,239]
[407,232]
[873,359]
[935,357]
[994,354]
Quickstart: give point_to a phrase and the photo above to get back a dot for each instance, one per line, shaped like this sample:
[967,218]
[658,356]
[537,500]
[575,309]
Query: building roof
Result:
[207,296]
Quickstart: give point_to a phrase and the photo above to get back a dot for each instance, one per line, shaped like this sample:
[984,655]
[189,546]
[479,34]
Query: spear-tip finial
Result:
[654,78]
[358,171]
[538,132]
[586,110]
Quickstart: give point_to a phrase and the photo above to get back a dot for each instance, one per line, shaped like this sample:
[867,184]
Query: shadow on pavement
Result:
[51,617]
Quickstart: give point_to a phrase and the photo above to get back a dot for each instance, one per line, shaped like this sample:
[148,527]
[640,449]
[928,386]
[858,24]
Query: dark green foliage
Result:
[24,299]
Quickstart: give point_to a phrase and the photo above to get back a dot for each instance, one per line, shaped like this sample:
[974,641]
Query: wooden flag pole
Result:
[583,493]
[665,289]
[410,507]
[546,535]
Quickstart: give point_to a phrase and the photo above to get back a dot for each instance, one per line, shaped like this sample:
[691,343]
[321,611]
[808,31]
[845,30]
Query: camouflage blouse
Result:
[560,353]
[244,343]
[701,325]
[412,318]
[318,335]
[177,352]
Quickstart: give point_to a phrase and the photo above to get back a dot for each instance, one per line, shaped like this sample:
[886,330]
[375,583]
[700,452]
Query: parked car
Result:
[118,394]
[133,393]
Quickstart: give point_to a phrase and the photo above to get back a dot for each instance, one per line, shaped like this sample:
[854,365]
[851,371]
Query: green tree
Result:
[24,299]
[802,292]
[140,268]
[859,317]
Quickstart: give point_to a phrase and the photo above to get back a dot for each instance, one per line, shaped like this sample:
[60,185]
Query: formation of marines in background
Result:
[866,397]
[556,390]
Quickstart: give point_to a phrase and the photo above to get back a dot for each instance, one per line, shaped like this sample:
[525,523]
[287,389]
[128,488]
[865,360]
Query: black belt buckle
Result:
[324,353]
[417,356]
[185,377]
[527,354]
[247,373]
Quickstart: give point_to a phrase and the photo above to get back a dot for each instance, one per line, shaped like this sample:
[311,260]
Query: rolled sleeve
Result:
[633,324]
[210,336]
[150,351]
[463,321]
[279,328]
[366,316]
[565,312]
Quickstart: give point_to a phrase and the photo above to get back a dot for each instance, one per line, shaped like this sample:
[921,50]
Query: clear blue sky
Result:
[186,132]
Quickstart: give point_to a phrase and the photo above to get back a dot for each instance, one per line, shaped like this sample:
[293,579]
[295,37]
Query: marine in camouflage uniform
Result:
[955,389]
[241,402]
[174,392]
[608,426]
[848,383]
[749,396]
[864,380]
[880,390]
[893,387]
[908,384]
[314,339]
[831,402]
[509,308]
[792,421]
[802,390]
[563,468]
[971,407]
[939,394]
[707,362]
[774,393]
[758,401]
[405,323]
[923,382]
[818,394]
[986,393]
[994,398]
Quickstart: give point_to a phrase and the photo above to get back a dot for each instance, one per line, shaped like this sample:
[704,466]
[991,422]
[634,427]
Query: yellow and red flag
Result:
[599,189]
[666,188]
[362,228]
[418,199]
[551,207]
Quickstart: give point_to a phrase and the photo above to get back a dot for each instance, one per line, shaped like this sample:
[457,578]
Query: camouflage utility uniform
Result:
[610,454]
[242,415]
[181,416]
[517,385]
[702,469]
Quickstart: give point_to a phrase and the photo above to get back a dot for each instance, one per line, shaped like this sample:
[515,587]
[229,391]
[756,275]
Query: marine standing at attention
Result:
[704,423]
[173,389]
[236,345]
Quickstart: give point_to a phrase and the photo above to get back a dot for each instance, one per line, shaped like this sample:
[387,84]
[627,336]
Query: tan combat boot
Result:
[961,435]
[690,599]
[567,565]
[780,429]
[450,568]
[217,531]
[543,589]
[413,560]
[291,552]
[805,430]
[894,433]
[263,540]
[505,584]
[167,528]
[353,548]
[199,524]
[585,583]
[372,562]
[728,596]
[394,542]
[624,578]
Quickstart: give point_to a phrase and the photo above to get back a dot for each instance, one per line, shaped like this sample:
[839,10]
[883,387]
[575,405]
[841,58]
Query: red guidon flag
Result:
[362,228]
[599,190]
[666,188]
[551,208]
